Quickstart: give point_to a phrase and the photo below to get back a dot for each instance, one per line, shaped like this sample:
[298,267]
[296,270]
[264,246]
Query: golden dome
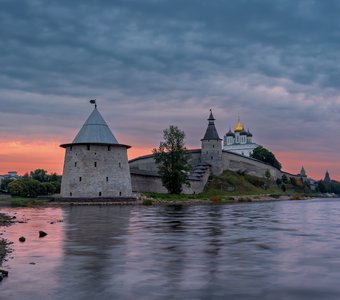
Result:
[239,127]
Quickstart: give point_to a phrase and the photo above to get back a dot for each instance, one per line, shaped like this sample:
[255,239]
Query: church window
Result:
[95,164]
[100,193]
[70,194]
[107,179]
[213,146]
[120,165]
[75,164]
[79,179]
[120,193]
[88,147]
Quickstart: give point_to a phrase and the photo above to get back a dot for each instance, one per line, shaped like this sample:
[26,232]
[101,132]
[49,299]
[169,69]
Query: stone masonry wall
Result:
[236,162]
[229,161]
[153,184]
[96,172]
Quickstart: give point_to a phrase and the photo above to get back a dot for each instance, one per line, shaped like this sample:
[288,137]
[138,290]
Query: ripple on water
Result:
[285,250]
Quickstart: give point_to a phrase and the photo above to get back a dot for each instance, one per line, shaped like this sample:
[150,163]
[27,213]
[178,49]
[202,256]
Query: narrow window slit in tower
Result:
[120,165]
[79,178]
[108,148]
[120,193]
[88,147]
[100,193]
[70,194]
[107,179]
[75,164]
[95,164]
[70,148]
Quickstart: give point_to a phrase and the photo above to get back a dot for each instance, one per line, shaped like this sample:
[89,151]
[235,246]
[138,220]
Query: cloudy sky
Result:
[153,63]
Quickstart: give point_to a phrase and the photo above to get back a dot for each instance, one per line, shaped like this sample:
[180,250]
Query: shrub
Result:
[283,188]
[256,181]
[278,181]
[215,199]
[147,202]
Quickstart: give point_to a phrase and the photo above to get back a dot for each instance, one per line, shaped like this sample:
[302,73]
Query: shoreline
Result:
[164,199]
[154,201]
[5,220]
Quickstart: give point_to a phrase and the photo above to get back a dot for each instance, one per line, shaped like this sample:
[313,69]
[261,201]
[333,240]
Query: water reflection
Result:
[94,249]
[286,250]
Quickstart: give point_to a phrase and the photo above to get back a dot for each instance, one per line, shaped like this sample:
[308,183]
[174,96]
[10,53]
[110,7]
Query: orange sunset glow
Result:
[24,157]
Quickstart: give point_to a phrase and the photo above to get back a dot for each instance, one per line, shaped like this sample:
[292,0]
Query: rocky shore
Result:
[4,244]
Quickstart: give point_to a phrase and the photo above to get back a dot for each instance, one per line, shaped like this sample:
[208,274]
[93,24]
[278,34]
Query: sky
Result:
[155,63]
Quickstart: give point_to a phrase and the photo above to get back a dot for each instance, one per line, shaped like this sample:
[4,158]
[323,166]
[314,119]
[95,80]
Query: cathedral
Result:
[240,141]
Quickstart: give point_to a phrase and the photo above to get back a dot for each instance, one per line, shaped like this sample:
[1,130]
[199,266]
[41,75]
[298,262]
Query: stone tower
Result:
[95,165]
[211,151]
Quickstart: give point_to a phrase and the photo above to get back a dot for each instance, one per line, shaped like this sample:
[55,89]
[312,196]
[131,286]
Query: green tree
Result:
[49,188]
[39,174]
[278,181]
[34,187]
[284,179]
[263,154]
[5,182]
[283,188]
[17,188]
[173,165]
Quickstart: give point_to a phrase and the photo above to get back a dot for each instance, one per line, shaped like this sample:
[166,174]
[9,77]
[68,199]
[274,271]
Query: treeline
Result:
[37,183]
[331,186]
[263,154]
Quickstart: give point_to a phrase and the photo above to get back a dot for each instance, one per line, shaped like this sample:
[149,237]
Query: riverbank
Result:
[5,220]
[163,199]
[166,199]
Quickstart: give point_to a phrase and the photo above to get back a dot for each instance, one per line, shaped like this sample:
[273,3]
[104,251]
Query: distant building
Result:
[240,141]
[327,177]
[305,179]
[9,175]
[303,173]
[95,165]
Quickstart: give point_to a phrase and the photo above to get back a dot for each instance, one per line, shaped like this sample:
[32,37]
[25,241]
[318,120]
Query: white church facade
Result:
[240,141]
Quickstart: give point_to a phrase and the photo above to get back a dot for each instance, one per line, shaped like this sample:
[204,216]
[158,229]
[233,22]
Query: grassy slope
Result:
[231,184]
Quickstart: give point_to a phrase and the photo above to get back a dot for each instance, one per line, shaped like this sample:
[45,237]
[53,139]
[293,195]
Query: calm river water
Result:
[274,250]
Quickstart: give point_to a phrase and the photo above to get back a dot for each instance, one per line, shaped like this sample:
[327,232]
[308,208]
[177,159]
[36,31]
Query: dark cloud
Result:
[156,62]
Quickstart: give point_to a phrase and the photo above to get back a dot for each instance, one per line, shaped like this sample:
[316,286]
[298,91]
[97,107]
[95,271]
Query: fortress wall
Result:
[231,161]
[144,163]
[148,163]
[144,183]
[153,184]
[195,157]
[97,170]
[235,162]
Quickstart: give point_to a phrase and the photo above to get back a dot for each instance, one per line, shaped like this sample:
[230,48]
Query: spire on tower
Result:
[211,132]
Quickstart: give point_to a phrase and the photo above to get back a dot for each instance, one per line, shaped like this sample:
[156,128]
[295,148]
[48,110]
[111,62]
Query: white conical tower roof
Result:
[95,131]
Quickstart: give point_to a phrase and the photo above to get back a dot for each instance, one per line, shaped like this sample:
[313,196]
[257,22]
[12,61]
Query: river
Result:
[269,250]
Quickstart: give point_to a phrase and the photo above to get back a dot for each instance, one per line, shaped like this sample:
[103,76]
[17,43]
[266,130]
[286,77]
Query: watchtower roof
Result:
[95,131]
[211,132]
